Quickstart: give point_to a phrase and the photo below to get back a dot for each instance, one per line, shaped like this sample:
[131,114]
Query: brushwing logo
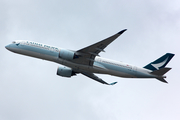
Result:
[158,65]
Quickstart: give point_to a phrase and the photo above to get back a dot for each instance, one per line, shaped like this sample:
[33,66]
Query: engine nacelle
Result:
[66,54]
[65,72]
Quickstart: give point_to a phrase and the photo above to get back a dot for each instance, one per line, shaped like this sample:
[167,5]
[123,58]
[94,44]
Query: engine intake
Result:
[66,54]
[65,72]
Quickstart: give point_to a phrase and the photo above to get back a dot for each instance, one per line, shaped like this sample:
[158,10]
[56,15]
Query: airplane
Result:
[88,62]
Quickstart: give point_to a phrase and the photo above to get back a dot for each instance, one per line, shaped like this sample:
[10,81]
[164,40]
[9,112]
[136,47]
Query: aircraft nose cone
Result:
[7,47]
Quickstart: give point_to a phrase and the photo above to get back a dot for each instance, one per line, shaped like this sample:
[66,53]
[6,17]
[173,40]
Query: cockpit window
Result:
[13,42]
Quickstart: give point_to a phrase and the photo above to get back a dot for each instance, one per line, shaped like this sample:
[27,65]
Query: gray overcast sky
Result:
[30,88]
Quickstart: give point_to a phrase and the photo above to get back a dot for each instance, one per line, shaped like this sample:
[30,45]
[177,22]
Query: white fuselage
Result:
[101,65]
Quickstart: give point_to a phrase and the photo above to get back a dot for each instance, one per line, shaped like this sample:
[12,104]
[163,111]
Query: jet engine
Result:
[65,72]
[66,54]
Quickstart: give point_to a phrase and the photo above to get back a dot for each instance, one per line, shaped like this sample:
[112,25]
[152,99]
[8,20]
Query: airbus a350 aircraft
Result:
[87,60]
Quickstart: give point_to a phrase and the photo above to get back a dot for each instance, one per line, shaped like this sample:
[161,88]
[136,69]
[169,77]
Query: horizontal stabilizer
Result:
[162,80]
[161,71]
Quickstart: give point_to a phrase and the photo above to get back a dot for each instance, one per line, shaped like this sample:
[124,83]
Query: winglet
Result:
[121,32]
[112,83]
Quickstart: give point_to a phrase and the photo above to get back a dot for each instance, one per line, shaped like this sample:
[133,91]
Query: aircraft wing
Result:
[87,54]
[94,77]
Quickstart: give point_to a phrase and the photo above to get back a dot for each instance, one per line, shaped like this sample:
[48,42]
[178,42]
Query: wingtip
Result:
[122,31]
[113,83]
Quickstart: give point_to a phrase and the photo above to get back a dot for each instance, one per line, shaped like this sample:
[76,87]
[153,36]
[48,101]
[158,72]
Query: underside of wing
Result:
[86,55]
[96,78]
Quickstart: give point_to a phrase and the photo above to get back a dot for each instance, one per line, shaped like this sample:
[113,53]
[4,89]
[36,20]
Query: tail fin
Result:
[160,63]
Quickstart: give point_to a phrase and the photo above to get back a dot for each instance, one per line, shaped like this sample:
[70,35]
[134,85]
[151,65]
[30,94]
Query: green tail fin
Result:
[160,63]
